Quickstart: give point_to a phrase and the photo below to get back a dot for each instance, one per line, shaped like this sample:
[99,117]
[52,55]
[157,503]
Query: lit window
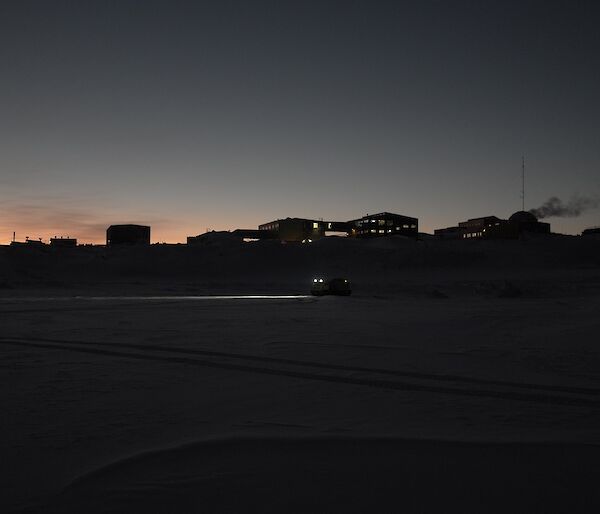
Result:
[382,231]
[328,225]
[381,222]
[315,225]
[413,226]
[373,231]
[397,228]
[404,226]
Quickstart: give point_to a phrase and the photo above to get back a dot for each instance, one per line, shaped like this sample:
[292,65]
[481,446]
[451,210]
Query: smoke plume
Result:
[554,207]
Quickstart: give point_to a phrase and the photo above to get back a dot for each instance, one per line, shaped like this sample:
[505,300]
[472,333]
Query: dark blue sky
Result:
[195,115]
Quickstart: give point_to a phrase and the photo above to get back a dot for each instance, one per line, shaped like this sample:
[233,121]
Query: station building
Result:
[478,227]
[594,231]
[520,223]
[63,242]
[301,229]
[492,227]
[375,225]
[449,232]
[383,224]
[128,235]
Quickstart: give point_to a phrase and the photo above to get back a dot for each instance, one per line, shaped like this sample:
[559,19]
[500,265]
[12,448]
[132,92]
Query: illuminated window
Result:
[413,226]
[328,225]
[373,231]
[382,231]
[404,226]
[397,228]
[381,222]
[315,225]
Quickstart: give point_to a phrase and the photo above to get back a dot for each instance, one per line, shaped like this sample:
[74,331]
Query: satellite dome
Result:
[523,217]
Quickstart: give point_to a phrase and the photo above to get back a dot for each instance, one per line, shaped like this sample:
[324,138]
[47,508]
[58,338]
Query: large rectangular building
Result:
[63,242]
[384,224]
[295,229]
[128,234]
[477,227]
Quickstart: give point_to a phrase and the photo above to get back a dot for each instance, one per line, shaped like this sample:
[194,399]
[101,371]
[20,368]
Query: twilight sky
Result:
[226,114]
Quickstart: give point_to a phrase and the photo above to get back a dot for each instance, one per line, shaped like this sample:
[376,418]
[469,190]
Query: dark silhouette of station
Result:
[305,230]
[491,227]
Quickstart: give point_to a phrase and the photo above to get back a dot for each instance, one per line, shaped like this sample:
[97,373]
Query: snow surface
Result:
[459,377]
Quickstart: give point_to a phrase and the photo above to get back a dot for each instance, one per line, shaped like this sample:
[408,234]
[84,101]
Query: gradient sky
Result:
[196,115]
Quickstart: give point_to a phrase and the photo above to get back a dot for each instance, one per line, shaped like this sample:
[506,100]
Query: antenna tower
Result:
[523,183]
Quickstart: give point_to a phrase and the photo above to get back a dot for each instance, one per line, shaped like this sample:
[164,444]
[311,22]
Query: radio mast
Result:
[523,183]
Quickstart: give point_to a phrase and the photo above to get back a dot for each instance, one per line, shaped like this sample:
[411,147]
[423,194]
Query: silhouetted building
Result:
[384,224]
[523,222]
[213,236]
[305,230]
[249,233]
[295,229]
[492,227]
[30,243]
[449,232]
[63,242]
[239,233]
[594,231]
[194,240]
[128,234]
[478,227]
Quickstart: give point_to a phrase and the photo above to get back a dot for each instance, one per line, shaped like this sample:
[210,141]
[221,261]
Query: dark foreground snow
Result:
[443,385]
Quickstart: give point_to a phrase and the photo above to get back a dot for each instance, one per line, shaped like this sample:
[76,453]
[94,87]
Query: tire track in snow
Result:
[322,365]
[397,385]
